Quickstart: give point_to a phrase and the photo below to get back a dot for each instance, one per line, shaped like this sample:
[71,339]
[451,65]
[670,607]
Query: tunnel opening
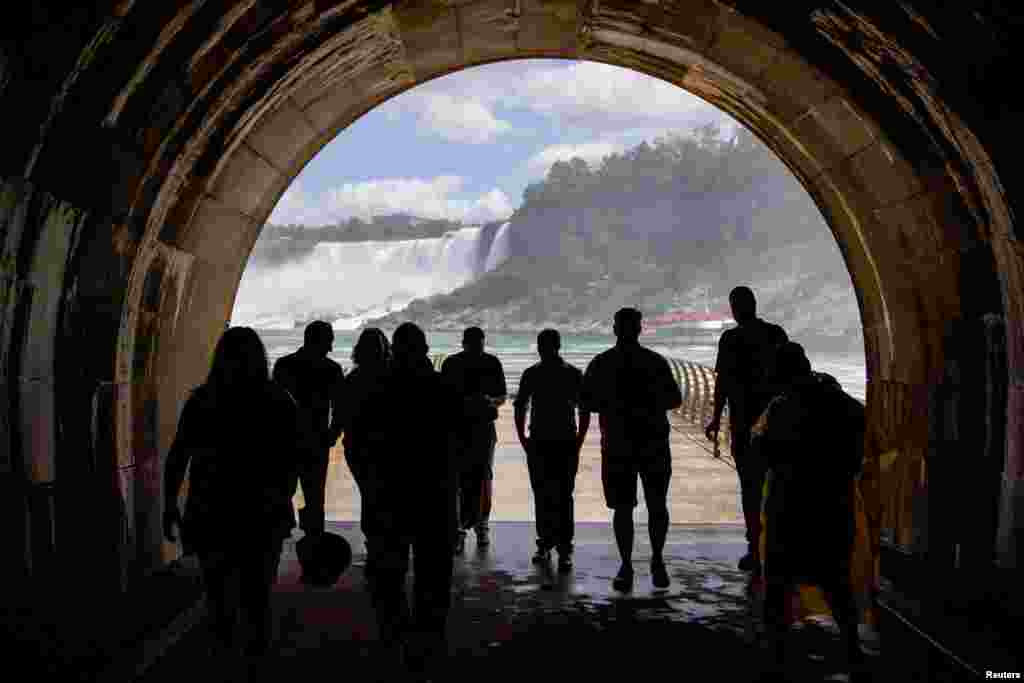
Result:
[892,130]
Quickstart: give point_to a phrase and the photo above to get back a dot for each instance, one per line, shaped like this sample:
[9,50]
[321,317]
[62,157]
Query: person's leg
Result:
[840,597]
[618,478]
[776,594]
[569,461]
[391,562]
[750,493]
[432,595]
[258,574]
[655,476]
[217,579]
[536,462]
[483,526]
[313,477]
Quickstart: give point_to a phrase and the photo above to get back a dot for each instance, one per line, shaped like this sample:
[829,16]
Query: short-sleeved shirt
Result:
[470,375]
[317,385]
[745,356]
[552,390]
[632,388]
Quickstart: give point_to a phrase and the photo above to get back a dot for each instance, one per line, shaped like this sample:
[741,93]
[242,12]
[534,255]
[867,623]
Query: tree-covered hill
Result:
[669,225]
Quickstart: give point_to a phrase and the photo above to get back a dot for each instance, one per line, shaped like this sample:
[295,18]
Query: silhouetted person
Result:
[632,388]
[479,380]
[552,390]
[410,482]
[371,357]
[244,438]
[317,384]
[745,355]
[811,438]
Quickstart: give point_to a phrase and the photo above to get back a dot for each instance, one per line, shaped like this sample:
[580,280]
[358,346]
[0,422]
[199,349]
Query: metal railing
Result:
[697,385]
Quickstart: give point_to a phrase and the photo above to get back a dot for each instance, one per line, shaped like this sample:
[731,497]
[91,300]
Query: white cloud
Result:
[591,152]
[584,89]
[427,198]
[461,119]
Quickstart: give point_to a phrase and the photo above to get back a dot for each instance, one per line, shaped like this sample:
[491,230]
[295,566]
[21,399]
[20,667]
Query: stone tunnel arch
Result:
[194,119]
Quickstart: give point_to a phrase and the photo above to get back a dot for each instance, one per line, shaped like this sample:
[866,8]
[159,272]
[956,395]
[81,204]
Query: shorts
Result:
[623,462]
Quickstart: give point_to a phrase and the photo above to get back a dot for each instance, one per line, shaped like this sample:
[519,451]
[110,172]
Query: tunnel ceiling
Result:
[146,143]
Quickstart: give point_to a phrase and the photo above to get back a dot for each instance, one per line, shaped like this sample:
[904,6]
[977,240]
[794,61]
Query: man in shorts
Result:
[632,388]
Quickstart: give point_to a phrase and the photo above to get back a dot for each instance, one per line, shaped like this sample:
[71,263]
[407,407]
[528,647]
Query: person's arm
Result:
[522,400]
[285,378]
[501,389]
[337,396]
[723,372]
[176,465]
[583,424]
[671,394]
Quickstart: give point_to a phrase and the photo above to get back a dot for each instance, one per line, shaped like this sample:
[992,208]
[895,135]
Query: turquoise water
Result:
[517,351]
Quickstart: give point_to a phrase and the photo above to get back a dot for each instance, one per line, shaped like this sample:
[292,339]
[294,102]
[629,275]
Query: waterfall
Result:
[348,282]
[499,248]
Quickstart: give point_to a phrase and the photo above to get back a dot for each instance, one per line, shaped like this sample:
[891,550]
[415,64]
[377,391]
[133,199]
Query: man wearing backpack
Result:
[745,357]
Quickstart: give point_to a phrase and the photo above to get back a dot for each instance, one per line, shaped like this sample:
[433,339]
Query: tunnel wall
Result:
[146,143]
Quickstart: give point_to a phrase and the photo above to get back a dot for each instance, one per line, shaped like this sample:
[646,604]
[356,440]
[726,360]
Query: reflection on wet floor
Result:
[511,618]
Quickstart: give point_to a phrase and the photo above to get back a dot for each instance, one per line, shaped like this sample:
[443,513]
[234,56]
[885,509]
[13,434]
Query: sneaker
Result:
[542,556]
[659,575]
[749,563]
[623,580]
[564,562]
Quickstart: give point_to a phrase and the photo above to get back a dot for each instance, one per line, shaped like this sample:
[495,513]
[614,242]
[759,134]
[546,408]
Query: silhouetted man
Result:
[811,438]
[552,389]
[410,485]
[317,384]
[479,380]
[632,388]
[745,354]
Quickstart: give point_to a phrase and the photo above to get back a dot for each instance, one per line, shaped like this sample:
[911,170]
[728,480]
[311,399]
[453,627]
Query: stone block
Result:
[882,173]
[244,182]
[745,47]
[1009,259]
[220,233]
[914,220]
[549,27]
[325,106]
[795,86]
[693,24]
[430,33]
[489,30]
[280,136]
[6,430]
[38,429]
[60,224]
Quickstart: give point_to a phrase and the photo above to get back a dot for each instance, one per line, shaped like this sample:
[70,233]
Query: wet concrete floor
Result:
[511,619]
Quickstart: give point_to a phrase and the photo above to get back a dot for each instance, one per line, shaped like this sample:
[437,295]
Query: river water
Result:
[517,351]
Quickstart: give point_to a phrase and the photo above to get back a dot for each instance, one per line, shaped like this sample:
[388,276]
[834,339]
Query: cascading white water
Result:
[499,248]
[348,282]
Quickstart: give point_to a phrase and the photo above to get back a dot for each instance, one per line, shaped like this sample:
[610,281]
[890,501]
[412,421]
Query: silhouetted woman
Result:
[242,435]
[371,356]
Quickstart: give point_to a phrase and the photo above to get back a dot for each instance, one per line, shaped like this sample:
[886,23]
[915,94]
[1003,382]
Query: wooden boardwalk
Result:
[703,490]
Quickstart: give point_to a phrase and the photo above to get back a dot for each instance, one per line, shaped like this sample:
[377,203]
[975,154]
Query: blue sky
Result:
[464,146]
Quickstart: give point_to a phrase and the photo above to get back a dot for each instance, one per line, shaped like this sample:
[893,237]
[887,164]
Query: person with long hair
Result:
[244,439]
[371,357]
